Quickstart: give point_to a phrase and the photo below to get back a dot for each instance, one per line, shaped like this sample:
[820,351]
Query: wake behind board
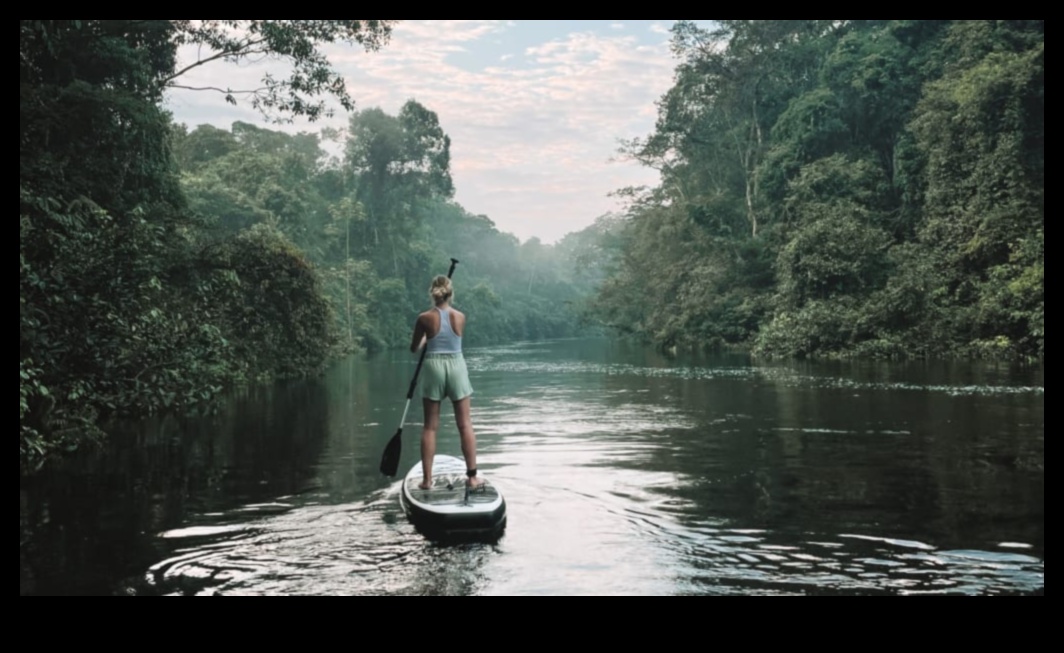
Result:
[448,509]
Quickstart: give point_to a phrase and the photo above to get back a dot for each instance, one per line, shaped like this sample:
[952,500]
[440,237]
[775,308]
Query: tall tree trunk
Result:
[347,266]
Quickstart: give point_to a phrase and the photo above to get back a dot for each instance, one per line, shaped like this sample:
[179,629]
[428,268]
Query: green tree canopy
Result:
[842,188]
[298,43]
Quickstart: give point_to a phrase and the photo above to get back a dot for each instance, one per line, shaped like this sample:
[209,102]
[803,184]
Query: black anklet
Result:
[471,473]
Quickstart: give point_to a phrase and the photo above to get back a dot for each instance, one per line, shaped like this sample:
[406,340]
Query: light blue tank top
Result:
[446,341]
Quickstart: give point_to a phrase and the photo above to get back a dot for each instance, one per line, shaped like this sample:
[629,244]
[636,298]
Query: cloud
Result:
[658,28]
[531,143]
[451,30]
[617,26]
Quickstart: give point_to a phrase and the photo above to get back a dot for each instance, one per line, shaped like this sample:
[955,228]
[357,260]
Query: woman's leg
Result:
[428,440]
[463,416]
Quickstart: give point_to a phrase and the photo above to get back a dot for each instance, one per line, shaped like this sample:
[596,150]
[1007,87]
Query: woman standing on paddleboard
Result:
[440,329]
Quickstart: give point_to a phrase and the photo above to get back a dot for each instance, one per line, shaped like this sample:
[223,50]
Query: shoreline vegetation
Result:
[829,189]
[841,189]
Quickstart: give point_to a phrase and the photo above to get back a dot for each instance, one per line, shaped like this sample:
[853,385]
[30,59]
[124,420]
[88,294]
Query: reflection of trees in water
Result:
[915,463]
[363,394]
[802,463]
[92,519]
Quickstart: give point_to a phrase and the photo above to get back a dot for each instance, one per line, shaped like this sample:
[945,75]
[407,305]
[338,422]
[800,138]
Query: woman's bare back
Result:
[430,322]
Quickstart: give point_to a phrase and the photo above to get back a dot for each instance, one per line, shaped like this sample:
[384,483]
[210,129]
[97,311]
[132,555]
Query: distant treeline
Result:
[160,264]
[841,188]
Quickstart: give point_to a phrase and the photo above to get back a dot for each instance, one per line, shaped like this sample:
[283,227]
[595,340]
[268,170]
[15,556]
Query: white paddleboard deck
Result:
[449,508]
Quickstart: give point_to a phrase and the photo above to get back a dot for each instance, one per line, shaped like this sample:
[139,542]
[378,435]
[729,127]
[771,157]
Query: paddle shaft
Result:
[391,455]
[421,361]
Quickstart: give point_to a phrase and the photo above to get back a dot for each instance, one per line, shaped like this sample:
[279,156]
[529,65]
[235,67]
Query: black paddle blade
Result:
[392,453]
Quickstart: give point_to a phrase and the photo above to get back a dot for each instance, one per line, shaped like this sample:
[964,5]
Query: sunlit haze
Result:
[535,109]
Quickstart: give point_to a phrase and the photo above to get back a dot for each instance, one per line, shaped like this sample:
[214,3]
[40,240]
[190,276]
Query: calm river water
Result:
[626,473]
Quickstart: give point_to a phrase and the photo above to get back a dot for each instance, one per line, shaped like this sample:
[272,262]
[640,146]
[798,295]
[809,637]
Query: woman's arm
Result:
[420,336]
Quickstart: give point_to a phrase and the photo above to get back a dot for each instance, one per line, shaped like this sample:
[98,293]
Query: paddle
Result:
[394,451]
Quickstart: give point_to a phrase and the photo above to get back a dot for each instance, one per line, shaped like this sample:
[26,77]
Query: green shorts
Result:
[445,375]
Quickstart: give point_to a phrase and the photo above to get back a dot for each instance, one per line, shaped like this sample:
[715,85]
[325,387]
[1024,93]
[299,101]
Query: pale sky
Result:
[534,109]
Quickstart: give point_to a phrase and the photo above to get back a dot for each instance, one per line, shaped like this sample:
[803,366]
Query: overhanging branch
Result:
[219,90]
[242,49]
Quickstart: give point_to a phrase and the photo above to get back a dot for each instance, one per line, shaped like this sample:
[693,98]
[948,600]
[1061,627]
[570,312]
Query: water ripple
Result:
[780,376]
[621,479]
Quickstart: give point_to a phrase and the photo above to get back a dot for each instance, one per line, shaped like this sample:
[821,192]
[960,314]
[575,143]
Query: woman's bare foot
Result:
[474,482]
[425,485]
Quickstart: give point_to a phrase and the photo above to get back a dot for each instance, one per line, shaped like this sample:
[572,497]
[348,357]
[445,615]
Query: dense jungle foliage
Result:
[841,188]
[160,264]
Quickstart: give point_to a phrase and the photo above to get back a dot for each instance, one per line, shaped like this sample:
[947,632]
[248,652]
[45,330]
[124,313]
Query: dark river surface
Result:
[625,472]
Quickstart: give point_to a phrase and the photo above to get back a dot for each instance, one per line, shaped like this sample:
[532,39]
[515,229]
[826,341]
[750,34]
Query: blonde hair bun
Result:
[441,289]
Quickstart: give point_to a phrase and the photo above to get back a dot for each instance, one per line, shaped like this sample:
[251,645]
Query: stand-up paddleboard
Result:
[449,509]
